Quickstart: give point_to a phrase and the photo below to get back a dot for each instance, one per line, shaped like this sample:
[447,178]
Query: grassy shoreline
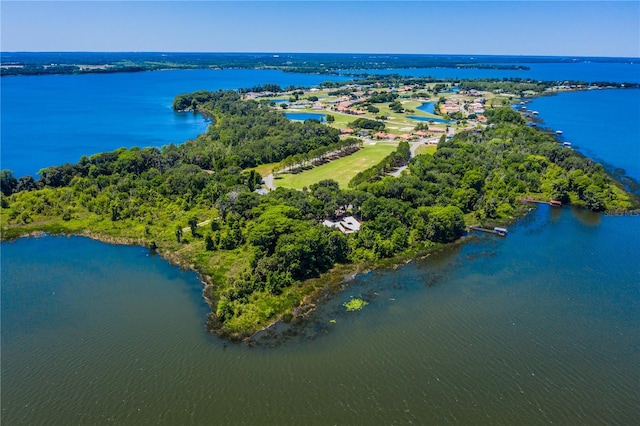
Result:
[315,290]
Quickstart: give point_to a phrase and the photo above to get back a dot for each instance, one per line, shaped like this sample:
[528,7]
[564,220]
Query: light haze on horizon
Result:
[537,28]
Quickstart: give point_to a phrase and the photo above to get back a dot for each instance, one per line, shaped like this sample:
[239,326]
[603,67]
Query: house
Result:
[346,131]
[347,225]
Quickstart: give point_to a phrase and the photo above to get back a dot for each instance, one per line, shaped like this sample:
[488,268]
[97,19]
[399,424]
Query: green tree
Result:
[193,224]
[8,182]
[209,243]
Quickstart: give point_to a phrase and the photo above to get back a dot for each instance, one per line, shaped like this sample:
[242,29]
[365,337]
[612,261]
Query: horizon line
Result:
[522,55]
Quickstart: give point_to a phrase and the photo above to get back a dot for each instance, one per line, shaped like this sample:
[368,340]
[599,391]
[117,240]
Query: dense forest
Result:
[261,255]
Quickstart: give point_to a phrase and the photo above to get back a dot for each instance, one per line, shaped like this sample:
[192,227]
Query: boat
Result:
[500,231]
[558,132]
[567,144]
[555,203]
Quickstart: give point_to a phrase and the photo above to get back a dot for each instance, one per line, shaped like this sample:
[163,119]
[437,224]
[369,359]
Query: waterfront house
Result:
[347,225]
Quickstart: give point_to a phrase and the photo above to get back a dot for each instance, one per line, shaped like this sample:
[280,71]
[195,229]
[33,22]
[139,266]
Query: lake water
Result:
[579,71]
[51,120]
[602,124]
[305,116]
[538,327]
[542,326]
[427,107]
[428,119]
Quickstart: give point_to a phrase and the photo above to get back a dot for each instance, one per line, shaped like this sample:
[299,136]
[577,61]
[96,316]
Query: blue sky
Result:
[576,28]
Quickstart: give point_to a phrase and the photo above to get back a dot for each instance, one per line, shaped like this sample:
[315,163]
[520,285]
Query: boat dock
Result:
[554,203]
[497,231]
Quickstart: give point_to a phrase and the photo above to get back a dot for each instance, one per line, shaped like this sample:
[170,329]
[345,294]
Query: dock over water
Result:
[554,203]
[497,231]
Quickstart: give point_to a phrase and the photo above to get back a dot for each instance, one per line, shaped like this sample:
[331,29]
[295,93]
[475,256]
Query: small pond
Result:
[305,116]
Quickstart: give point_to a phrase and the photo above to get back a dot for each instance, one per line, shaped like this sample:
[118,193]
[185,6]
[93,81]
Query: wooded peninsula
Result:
[267,254]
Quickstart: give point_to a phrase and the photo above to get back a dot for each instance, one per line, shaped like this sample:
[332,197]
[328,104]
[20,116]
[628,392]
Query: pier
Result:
[497,231]
[554,203]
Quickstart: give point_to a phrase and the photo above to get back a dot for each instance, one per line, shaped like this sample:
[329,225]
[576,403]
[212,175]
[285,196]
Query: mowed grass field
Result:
[341,170]
[426,149]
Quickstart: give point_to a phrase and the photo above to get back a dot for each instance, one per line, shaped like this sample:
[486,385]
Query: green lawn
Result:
[263,170]
[426,149]
[341,170]
[397,123]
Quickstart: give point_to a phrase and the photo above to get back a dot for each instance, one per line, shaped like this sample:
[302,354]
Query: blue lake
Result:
[51,120]
[538,327]
[601,124]
[428,119]
[305,116]
[578,71]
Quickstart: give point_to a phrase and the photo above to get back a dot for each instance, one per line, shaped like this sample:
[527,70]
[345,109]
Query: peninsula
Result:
[230,203]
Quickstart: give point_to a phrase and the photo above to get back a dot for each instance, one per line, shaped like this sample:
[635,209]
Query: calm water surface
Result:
[601,124]
[305,116]
[578,71]
[538,327]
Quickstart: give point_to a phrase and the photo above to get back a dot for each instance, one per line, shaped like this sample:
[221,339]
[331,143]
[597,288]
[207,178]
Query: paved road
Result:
[413,146]
[268,182]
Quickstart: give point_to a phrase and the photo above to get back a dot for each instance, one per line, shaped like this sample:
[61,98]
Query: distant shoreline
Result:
[55,63]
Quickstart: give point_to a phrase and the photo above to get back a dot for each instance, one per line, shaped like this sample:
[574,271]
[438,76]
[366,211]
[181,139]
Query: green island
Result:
[275,214]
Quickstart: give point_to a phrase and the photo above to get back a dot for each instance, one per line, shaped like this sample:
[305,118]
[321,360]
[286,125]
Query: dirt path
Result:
[188,228]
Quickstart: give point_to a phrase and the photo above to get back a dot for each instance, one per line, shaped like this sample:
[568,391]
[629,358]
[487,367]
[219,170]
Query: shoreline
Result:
[312,291]
[332,282]
[323,287]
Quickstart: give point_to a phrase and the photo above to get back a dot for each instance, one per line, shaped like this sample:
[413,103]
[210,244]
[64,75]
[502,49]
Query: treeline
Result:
[509,85]
[366,123]
[319,63]
[397,158]
[73,69]
[269,87]
[315,157]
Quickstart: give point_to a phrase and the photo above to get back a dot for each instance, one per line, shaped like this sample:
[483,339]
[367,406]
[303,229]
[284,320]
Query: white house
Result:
[347,225]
